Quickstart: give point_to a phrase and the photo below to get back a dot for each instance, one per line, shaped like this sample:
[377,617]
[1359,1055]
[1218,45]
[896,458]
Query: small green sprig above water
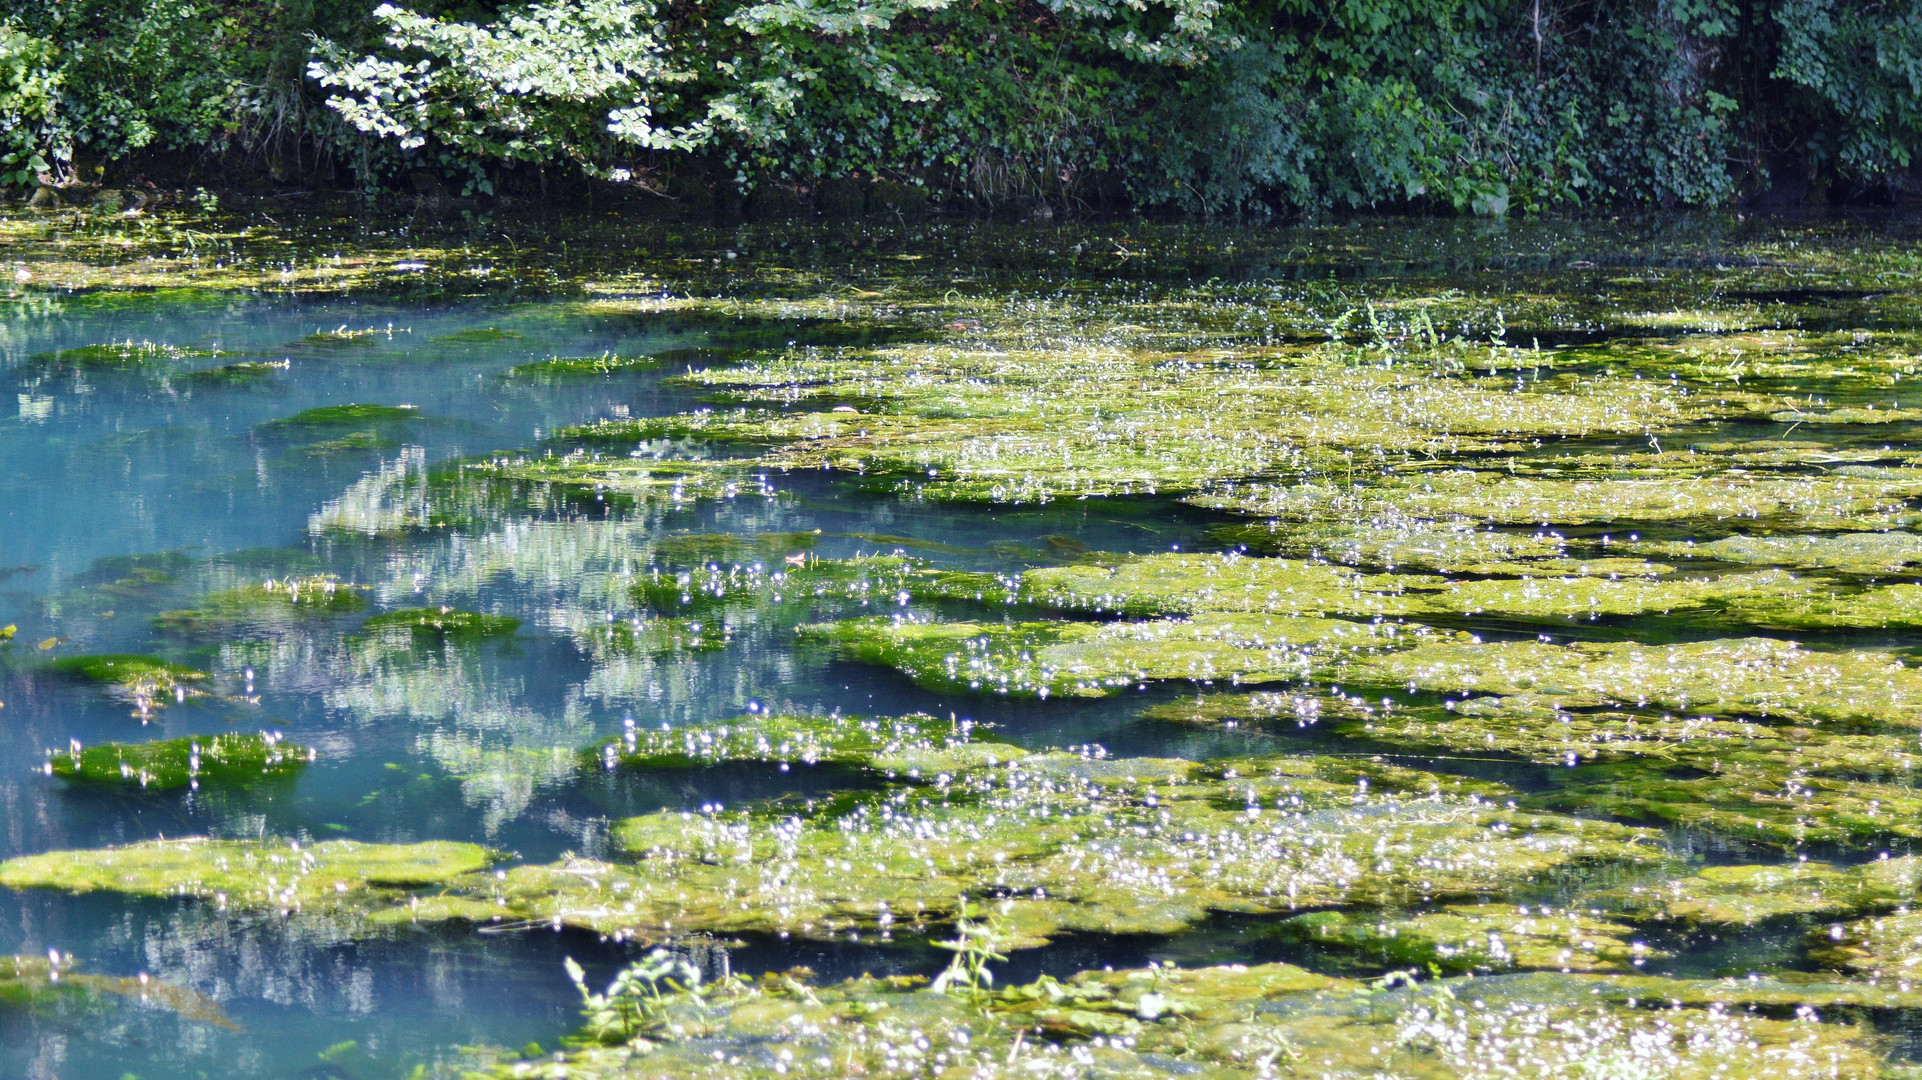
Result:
[227,760]
[638,997]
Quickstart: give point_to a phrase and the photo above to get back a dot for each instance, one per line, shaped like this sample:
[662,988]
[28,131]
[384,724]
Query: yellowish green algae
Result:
[909,745]
[1480,938]
[260,875]
[1745,895]
[1757,677]
[1073,844]
[1228,1023]
[1711,519]
[1095,659]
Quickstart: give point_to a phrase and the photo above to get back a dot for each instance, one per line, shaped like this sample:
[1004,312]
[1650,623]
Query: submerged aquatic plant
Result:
[272,605]
[147,682]
[442,622]
[225,760]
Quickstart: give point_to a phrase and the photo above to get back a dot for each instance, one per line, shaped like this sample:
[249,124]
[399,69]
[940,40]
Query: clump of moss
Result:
[1887,947]
[443,622]
[222,760]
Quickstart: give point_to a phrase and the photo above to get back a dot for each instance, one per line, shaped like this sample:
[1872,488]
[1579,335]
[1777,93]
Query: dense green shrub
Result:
[32,139]
[1203,106]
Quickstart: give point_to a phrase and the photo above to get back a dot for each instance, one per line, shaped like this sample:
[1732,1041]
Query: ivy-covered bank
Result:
[893,106]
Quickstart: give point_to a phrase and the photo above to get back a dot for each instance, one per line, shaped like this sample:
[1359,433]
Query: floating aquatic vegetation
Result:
[1095,659]
[273,604]
[1766,784]
[1884,947]
[1072,843]
[913,746]
[1188,584]
[1022,426]
[1856,553]
[1875,501]
[442,622]
[1174,584]
[1480,938]
[1750,895]
[148,682]
[1411,545]
[798,582]
[264,875]
[1752,677]
[215,760]
[1230,1023]
[573,367]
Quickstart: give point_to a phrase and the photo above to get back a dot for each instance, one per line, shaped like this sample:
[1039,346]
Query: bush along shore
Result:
[1201,107]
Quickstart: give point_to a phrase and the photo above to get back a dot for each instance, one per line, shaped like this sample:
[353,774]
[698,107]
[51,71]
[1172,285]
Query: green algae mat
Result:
[627,649]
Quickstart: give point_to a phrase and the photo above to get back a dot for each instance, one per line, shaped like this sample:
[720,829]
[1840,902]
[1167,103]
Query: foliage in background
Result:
[1204,106]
